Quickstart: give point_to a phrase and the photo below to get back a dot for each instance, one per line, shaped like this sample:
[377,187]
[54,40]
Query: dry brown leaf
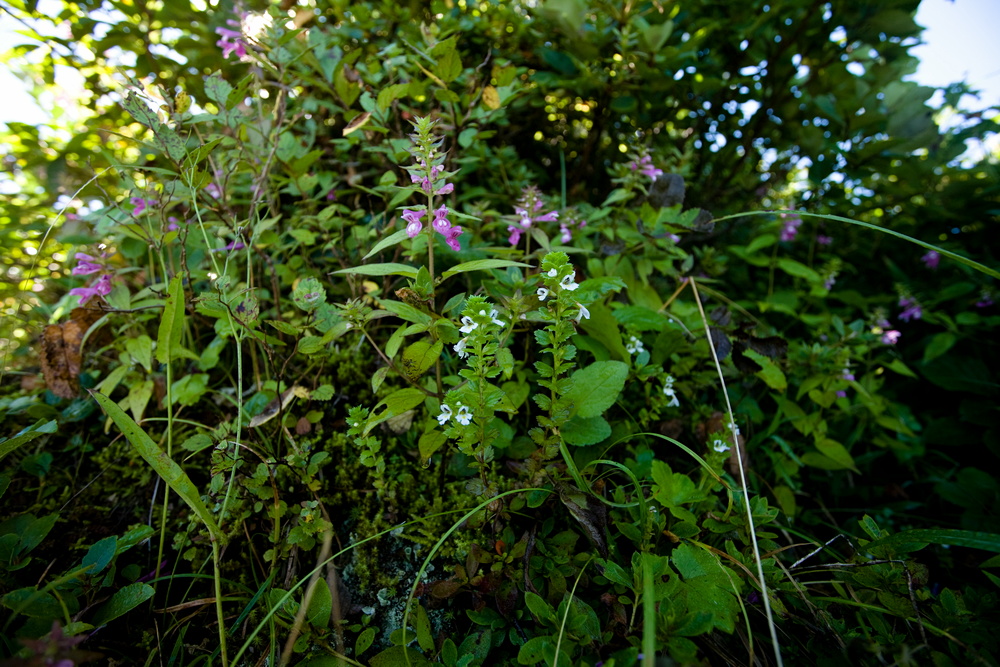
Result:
[61,351]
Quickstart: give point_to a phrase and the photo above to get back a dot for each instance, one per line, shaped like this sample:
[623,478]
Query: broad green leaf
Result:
[799,270]
[100,554]
[395,404]
[364,641]
[424,636]
[419,357]
[595,388]
[583,431]
[837,452]
[387,242]
[429,443]
[386,269]
[122,602]
[482,264]
[320,605]
[172,323]
[164,466]
[406,312]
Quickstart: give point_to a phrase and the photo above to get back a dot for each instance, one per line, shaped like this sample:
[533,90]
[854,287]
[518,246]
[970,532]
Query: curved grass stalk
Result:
[836,218]
[288,594]
[437,545]
[569,603]
[743,481]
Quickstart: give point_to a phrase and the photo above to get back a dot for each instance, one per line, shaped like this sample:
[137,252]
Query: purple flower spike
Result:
[891,337]
[102,287]
[441,223]
[231,42]
[790,227]
[911,309]
[140,204]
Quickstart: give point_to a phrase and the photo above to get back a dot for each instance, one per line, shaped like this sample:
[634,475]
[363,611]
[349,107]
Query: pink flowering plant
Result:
[418,333]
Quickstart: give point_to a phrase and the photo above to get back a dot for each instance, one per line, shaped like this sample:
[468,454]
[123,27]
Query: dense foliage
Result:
[571,332]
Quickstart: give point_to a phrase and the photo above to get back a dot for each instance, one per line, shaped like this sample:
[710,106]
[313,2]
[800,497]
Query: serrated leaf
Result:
[419,357]
[770,372]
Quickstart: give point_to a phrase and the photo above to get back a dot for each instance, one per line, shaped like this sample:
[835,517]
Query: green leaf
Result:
[582,431]
[100,554]
[939,344]
[836,451]
[424,636]
[398,656]
[799,270]
[387,242]
[395,404]
[390,94]
[386,269]
[419,357]
[918,538]
[542,610]
[122,602]
[172,323]
[164,466]
[480,265]
[406,312]
[40,428]
[320,605]
[141,350]
[364,641]
[429,443]
[533,651]
[449,64]
[770,373]
[217,89]
[595,388]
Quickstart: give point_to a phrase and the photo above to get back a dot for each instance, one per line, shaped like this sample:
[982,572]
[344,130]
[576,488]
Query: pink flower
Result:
[515,234]
[86,265]
[427,182]
[646,168]
[102,287]
[931,259]
[911,309]
[451,238]
[566,235]
[441,224]
[140,204]
[231,42]
[413,224]
[890,337]
[232,245]
[790,227]
[824,240]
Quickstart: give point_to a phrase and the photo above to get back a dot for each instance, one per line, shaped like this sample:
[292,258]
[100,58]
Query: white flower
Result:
[735,428]
[567,282]
[460,349]
[542,293]
[552,273]
[470,325]
[584,314]
[464,416]
[494,315]
[720,446]
[635,346]
[445,414]
[670,392]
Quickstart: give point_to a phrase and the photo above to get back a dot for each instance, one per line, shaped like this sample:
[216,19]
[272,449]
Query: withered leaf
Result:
[666,190]
[591,514]
[61,353]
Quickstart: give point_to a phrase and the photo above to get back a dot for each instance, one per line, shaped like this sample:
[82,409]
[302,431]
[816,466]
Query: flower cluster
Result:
[790,226]
[568,283]
[527,210]
[427,176]
[139,204]
[911,309]
[88,265]
[439,223]
[882,328]
[635,346]
[231,40]
[645,167]
[463,416]
[671,393]
[566,229]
